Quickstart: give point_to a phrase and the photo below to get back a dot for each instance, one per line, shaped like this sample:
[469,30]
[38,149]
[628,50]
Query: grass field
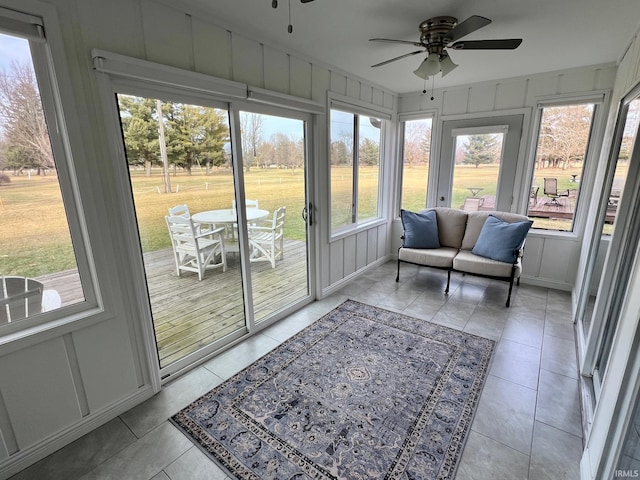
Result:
[34,238]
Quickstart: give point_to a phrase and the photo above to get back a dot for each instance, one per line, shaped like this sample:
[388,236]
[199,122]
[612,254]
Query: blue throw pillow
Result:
[420,229]
[498,240]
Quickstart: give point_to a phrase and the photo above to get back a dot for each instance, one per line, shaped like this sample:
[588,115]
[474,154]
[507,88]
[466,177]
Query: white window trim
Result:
[601,100]
[356,107]
[30,27]
[403,119]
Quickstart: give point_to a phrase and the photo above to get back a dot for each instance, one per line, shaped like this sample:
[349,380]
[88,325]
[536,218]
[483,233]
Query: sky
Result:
[13,49]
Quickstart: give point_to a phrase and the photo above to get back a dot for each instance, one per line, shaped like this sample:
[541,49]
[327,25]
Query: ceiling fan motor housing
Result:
[434,33]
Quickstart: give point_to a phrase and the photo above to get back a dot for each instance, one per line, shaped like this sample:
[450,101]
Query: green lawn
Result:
[34,238]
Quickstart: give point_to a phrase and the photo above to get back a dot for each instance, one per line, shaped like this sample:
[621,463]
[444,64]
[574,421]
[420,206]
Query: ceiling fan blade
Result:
[306,1]
[507,44]
[391,40]
[397,58]
[464,28]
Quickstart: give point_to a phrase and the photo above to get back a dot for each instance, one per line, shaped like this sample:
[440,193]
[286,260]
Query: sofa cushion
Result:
[451,225]
[499,240]
[466,261]
[475,222]
[420,229]
[436,257]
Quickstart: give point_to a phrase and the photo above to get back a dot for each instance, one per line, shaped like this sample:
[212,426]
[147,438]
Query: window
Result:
[416,153]
[355,168]
[477,165]
[562,145]
[40,240]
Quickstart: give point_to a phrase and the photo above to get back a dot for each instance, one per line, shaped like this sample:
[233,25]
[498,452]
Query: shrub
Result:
[4,179]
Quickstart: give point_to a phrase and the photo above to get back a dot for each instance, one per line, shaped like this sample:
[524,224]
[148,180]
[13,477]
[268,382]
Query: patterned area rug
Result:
[363,393]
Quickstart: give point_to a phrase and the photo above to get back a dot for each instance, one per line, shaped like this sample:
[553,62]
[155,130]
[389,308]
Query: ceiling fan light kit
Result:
[439,33]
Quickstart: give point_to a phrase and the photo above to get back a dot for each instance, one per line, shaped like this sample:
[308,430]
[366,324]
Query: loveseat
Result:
[487,244]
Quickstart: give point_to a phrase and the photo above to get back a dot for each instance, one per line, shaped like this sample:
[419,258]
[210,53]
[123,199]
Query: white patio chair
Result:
[22,297]
[232,230]
[267,239]
[183,211]
[193,251]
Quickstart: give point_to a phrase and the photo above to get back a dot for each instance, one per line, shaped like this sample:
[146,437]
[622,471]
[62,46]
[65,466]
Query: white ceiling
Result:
[557,34]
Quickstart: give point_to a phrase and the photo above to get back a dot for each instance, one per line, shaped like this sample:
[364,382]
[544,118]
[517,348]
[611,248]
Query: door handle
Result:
[306,213]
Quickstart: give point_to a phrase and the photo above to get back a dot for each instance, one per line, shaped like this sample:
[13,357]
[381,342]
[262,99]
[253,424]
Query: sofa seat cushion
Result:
[466,261]
[435,257]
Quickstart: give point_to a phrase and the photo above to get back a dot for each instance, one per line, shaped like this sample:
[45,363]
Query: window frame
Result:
[57,102]
[600,100]
[402,122]
[357,109]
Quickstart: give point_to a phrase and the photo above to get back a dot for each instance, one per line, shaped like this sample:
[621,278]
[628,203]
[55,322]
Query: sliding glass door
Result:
[219,208]
[275,172]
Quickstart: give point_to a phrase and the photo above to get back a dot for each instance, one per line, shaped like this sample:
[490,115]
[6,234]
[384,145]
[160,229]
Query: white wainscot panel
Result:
[366,94]
[349,255]
[211,49]
[532,256]
[578,81]
[410,103]
[372,245]
[247,60]
[336,261]
[338,83]
[396,233]
[511,94]
[382,241]
[276,70]
[361,250]
[321,83]
[167,35]
[353,88]
[540,86]
[605,78]
[377,97]
[97,19]
[389,101]
[300,78]
[559,260]
[482,98]
[106,362]
[38,391]
[455,101]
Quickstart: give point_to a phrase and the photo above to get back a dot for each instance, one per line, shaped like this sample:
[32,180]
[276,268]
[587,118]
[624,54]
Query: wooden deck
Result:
[189,314]
[542,207]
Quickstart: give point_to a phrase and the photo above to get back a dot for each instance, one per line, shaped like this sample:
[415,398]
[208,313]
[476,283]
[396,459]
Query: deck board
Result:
[189,314]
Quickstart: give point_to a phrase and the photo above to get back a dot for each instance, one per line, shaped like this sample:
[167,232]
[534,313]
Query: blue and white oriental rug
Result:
[363,393]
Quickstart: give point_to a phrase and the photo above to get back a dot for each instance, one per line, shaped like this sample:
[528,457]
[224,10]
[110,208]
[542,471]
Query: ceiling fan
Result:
[439,33]
[274,4]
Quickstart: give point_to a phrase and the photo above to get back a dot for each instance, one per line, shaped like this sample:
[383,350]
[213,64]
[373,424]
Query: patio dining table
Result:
[228,218]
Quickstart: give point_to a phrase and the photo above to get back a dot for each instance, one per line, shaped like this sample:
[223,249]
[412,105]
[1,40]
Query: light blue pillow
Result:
[420,229]
[499,240]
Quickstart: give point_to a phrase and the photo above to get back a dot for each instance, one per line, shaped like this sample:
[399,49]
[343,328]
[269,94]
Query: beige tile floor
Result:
[527,425]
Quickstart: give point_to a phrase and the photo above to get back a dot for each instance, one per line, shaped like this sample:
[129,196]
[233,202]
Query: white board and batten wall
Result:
[551,258]
[65,381]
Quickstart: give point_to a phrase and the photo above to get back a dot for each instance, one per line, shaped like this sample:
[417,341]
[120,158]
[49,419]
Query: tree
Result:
[287,151]
[25,134]
[195,135]
[251,126]
[480,150]
[564,135]
[368,152]
[417,143]
[140,129]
